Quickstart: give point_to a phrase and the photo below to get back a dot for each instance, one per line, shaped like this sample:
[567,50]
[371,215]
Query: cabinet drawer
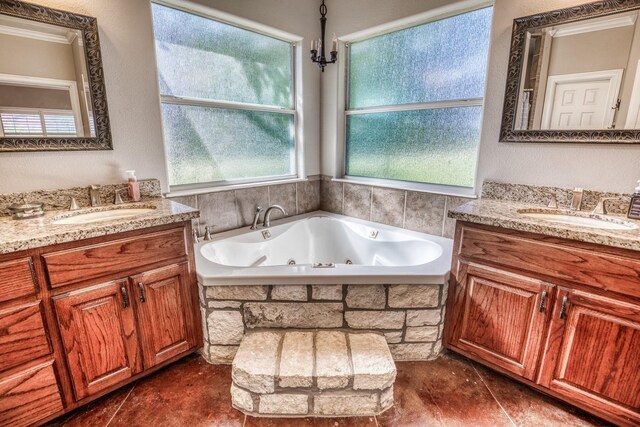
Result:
[17,279]
[550,259]
[116,256]
[22,335]
[29,396]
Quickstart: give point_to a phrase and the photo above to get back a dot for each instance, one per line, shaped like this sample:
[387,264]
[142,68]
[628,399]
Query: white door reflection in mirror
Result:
[582,100]
[581,75]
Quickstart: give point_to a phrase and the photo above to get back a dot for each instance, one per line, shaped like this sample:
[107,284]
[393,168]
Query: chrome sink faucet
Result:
[267,215]
[576,199]
[601,207]
[117,200]
[94,195]
[553,200]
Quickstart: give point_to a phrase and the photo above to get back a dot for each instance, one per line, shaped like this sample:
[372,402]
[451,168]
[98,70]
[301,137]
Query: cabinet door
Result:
[29,395]
[166,313]
[98,332]
[499,317]
[593,353]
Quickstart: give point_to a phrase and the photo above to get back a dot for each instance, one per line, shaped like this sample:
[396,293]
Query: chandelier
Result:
[317,46]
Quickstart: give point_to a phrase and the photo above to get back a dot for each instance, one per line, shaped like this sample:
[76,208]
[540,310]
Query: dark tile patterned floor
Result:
[450,391]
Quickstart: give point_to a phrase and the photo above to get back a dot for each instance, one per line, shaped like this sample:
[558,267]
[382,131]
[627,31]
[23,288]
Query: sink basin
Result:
[589,221]
[111,214]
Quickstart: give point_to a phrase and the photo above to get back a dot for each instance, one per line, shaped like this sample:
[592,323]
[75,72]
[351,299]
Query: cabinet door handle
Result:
[543,300]
[142,296]
[32,269]
[563,307]
[125,297]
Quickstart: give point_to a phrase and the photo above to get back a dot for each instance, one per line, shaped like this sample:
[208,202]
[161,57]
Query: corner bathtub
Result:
[361,252]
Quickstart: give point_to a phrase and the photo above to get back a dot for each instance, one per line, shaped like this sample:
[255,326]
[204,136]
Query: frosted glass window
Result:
[202,58]
[421,146]
[227,100]
[437,61]
[215,144]
[415,101]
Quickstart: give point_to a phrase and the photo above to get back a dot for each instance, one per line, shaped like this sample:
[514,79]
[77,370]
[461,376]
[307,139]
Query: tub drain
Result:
[291,262]
[348,262]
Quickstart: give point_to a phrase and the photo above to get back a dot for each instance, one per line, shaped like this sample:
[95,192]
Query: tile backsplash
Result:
[539,195]
[412,210]
[226,210]
[60,199]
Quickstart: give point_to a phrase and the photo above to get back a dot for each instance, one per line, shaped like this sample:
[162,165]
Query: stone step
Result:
[313,373]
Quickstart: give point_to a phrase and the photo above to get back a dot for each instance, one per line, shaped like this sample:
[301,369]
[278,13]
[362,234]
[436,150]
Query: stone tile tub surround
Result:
[411,210]
[38,232]
[313,373]
[500,203]
[232,209]
[410,316]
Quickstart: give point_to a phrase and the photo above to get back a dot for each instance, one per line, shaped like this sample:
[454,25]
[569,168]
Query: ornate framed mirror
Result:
[574,76]
[52,91]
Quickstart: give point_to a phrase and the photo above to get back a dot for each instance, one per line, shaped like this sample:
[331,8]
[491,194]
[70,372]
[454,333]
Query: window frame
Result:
[343,100]
[294,41]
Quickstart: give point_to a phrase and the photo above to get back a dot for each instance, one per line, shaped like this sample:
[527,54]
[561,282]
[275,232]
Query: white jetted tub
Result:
[323,248]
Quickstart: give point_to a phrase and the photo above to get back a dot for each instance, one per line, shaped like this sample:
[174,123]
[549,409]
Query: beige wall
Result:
[36,58]
[126,38]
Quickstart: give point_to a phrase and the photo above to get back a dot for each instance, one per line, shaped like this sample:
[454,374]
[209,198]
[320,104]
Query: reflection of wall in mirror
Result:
[31,97]
[77,46]
[24,56]
[32,57]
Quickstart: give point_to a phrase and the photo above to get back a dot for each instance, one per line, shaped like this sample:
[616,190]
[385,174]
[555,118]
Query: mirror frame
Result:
[89,28]
[516,55]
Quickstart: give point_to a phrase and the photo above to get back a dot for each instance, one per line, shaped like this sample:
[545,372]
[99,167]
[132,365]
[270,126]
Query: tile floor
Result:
[450,391]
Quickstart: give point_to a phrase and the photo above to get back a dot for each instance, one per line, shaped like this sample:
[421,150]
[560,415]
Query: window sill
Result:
[205,190]
[445,190]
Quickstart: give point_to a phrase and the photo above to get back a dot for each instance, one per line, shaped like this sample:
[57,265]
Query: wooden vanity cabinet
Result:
[166,313]
[99,335]
[556,314]
[80,319]
[502,317]
[593,354]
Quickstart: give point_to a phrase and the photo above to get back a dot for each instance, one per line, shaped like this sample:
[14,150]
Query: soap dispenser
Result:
[634,207]
[134,186]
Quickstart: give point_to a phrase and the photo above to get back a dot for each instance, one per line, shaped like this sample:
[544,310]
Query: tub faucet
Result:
[256,218]
[576,200]
[267,215]
[94,195]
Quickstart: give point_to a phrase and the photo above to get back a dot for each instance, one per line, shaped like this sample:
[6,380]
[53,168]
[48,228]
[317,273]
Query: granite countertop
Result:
[505,214]
[17,235]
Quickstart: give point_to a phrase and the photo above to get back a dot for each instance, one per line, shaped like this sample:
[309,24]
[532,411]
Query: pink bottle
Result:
[134,186]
